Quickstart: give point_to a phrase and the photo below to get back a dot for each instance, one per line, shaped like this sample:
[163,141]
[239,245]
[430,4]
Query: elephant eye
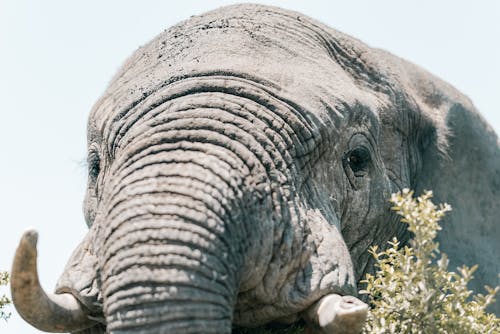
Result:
[358,160]
[94,164]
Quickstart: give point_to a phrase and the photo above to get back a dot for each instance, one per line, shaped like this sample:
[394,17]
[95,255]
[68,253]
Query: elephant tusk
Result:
[334,314]
[48,312]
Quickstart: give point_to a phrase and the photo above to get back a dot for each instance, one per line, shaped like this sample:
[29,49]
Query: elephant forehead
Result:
[294,55]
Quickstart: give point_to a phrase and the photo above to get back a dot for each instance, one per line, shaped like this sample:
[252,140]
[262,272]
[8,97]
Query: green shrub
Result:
[412,290]
[4,301]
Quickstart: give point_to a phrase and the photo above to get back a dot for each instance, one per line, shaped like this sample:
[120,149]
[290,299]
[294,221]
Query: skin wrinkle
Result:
[208,243]
[265,141]
[209,86]
[179,178]
[180,207]
[264,158]
[268,289]
[113,202]
[171,312]
[181,196]
[138,203]
[203,325]
[134,277]
[153,247]
[293,112]
[415,127]
[119,303]
[125,200]
[397,182]
[208,310]
[349,228]
[207,136]
[156,275]
[306,169]
[210,150]
[232,185]
[362,237]
[224,205]
[223,240]
[173,276]
[156,321]
[172,243]
[251,123]
[292,273]
[160,315]
[248,139]
[261,310]
[300,278]
[169,256]
[175,229]
[211,172]
[159,293]
[153,242]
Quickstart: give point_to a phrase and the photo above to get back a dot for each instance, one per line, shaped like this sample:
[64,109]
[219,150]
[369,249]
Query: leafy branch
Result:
[412,290]
[4,300]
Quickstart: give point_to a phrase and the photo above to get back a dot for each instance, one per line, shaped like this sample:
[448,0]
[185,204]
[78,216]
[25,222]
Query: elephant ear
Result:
[461,165]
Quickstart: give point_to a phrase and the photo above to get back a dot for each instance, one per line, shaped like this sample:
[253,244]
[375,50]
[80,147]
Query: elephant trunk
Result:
[195,204]
[173,244]
[48,312]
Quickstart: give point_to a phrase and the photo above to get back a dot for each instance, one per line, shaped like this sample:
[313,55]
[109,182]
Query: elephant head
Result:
[240,166]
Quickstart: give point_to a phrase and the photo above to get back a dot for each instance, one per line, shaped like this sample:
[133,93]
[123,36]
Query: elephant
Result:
[239,169]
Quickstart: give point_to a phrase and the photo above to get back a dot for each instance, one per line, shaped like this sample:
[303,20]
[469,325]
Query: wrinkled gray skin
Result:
[240,166]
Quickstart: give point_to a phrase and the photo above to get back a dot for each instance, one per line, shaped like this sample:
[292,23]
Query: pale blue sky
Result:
[56,57]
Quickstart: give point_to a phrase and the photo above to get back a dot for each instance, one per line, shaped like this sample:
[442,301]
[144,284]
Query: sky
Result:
[56,58]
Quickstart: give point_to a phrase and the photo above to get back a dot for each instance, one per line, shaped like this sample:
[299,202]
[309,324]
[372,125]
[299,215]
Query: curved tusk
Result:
[51,313]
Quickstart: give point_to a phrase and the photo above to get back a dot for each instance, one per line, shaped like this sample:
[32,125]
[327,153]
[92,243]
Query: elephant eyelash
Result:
[82,164]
